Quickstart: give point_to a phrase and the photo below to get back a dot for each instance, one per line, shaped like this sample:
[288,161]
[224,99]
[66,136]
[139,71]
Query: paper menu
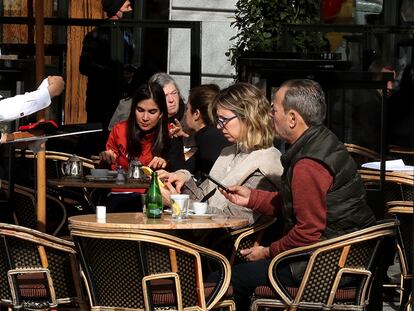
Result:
[392,165]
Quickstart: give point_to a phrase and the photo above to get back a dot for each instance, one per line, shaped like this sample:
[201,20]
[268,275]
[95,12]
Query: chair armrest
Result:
[149,304]
[383,228]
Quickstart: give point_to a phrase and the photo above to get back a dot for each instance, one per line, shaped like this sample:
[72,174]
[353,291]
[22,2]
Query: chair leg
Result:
[405,295]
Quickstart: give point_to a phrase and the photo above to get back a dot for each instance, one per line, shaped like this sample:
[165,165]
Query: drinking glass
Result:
[179,205]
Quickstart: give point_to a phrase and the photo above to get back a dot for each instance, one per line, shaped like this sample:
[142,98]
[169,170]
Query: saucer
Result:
[96,178]
[195,216]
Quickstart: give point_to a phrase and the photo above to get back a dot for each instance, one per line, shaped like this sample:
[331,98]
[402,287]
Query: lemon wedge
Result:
[148,171]
[175,208]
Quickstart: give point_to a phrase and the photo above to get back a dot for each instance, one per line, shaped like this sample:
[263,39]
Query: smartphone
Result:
[219,184]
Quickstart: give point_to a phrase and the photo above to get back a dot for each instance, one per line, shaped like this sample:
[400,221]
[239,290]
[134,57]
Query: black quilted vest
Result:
[347,210]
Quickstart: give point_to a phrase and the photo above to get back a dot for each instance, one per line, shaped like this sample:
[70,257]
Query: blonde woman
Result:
[241,112]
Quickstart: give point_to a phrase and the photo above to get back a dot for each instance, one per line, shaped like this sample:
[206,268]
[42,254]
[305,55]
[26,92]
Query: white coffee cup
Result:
[200,208]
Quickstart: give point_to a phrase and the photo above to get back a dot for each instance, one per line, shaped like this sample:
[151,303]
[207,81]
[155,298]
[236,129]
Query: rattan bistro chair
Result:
[361,154]
[328,262]
[24,209]
[149,270]
[54,160]
[37,270]
[403,212]
[404,153]
[398,186]
[73,199]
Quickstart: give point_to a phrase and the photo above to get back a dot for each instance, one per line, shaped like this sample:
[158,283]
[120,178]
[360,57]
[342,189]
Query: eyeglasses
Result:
[221,122]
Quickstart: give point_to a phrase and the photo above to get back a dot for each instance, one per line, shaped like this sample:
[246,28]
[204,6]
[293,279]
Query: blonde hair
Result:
[252,108]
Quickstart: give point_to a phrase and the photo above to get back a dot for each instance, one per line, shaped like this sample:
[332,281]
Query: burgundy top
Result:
[310,184]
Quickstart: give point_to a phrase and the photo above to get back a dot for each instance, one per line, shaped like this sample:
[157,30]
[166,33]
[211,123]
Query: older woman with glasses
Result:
[242,114]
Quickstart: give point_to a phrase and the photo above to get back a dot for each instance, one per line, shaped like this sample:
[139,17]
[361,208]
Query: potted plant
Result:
[260,23]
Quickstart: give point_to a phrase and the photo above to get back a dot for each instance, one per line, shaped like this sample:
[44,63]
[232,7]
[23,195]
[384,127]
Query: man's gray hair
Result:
[307,98]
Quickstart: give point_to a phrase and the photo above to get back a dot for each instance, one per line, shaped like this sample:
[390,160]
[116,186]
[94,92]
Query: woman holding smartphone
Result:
[241,112]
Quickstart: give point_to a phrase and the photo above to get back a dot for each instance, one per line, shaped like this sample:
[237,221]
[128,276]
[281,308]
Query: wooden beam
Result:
[41,115]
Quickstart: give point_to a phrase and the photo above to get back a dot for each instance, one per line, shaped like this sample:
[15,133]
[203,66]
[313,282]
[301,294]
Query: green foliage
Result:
[259,26]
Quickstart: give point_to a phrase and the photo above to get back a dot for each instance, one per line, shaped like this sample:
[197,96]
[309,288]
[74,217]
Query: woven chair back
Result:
[32,252]
[338,273]
[144,270]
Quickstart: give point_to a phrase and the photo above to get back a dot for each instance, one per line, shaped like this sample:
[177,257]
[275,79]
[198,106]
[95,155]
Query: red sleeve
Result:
[310,184]
[117,143]
[111,142]
[265,202]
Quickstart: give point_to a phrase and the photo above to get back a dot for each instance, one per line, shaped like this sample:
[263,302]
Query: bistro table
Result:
[128,222]
[85,184]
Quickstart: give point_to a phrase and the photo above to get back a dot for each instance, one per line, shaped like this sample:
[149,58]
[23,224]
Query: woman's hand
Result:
[157,163]
[163,174]
[166,191]
[108,156]
[176,130]
[238,195]
[177,178]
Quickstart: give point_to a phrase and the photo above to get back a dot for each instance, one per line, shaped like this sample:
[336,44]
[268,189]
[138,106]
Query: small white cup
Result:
[200,208]
[100,212]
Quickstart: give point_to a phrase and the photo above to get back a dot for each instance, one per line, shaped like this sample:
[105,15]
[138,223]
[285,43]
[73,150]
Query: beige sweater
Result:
[259,169]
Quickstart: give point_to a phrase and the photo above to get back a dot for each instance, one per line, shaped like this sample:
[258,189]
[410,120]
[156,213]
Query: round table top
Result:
[130,221]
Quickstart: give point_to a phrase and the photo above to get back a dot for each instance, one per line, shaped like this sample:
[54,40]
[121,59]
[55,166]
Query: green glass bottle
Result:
[153,200]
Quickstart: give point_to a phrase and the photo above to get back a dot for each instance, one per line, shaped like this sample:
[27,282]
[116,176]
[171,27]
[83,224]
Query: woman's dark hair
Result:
[200,97]
[134,133]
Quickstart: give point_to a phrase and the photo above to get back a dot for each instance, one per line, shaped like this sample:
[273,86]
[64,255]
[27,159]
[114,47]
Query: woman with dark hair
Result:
[209,141]
[144,137]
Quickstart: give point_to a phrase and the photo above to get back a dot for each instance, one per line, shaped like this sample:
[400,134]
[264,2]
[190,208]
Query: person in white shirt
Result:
[26,104]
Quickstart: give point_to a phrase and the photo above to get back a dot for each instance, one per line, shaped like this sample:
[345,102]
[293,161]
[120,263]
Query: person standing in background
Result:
[401,111]
[366,111]
[106,69]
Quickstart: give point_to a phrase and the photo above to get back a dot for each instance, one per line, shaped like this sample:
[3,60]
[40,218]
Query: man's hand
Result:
[255,253]
[238,195]
[56,85]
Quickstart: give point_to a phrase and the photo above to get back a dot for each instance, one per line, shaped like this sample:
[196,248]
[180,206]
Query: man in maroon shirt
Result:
[321,196]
